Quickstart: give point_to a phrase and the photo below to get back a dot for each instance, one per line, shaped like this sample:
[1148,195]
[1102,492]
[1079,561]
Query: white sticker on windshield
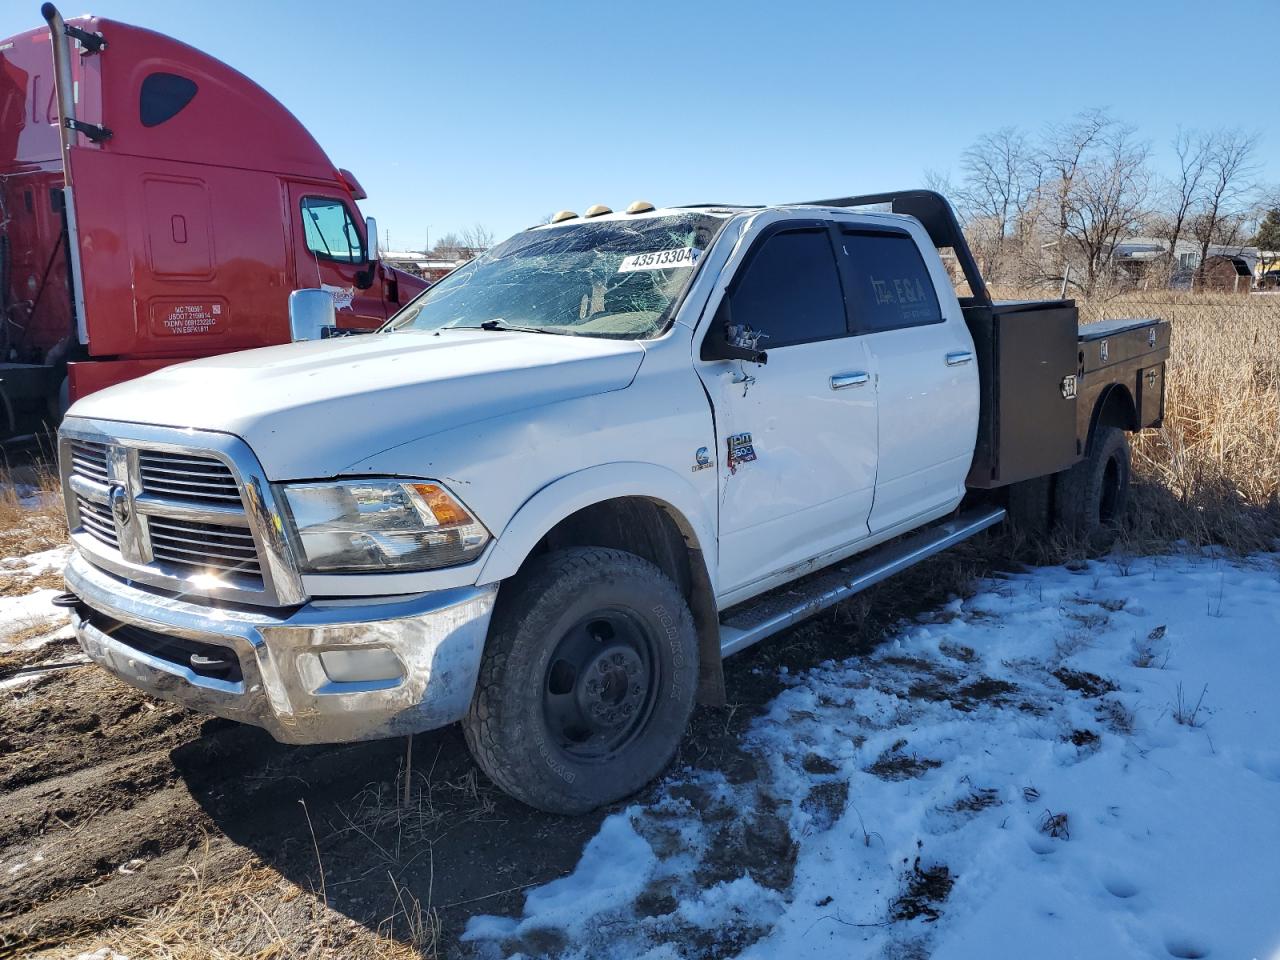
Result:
[660,260]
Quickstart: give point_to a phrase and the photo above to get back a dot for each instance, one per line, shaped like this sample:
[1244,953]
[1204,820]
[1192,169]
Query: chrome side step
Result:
[786,606]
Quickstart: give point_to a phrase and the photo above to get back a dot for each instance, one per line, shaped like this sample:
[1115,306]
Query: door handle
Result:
[959,357]
[842,381]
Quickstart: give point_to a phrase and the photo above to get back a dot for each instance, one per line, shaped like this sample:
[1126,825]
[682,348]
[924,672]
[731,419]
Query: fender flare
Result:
[571,493]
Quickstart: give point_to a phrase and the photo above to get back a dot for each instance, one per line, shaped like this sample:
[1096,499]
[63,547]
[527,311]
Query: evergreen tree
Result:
[1268,235]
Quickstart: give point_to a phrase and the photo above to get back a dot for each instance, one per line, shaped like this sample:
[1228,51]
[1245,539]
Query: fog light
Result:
[365,665]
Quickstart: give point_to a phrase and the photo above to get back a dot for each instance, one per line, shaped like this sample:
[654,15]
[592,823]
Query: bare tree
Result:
[477,237]
[1186,191]
[1001,175]
[1066,148]
[1229,168]
[1107,197]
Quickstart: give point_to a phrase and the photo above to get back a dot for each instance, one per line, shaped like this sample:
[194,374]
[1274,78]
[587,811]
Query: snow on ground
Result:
[22,613]
[1073,763]
[28,620]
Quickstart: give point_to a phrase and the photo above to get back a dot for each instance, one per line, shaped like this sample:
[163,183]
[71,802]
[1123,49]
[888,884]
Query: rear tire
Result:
[1092,495]
[588,680]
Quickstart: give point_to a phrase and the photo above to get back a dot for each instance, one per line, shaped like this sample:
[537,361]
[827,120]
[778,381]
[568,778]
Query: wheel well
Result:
[657,532]
[1115,408]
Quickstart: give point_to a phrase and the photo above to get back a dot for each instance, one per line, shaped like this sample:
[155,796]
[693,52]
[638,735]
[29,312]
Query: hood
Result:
[312,409]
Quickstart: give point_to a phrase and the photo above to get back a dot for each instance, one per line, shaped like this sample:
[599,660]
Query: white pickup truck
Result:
[563,483]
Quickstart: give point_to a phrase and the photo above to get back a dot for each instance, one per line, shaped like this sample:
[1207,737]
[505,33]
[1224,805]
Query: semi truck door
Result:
[797,435]
[329,253]
[926,376]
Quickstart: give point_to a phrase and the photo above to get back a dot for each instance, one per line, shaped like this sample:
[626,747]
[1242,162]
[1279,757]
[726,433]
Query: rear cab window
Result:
[889,283]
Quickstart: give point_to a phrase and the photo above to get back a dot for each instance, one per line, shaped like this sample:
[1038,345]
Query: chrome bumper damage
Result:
[327,672]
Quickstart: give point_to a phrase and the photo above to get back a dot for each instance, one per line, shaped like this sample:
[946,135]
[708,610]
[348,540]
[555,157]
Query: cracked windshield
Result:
[616,279]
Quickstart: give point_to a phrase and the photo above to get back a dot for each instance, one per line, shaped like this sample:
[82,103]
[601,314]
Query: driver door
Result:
[329,253]
[797,435]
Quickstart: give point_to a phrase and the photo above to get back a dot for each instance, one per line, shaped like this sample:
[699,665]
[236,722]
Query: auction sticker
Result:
[660,260]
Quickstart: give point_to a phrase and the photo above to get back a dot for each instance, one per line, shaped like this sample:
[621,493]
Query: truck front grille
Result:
[204,546]
[187,477]
[89,459]
[97,522]
[184,513]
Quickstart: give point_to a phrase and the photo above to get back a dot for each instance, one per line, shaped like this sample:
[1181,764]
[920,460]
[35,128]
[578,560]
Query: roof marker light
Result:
[640,206]
[597,210]
[564,215]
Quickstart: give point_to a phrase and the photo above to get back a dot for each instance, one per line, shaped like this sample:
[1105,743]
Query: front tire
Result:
[587,682]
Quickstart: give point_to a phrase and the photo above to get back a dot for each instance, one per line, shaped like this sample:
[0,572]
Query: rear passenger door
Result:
[797,435]
[926,379]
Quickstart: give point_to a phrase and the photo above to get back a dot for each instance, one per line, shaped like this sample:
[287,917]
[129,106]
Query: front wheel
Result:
[588,680]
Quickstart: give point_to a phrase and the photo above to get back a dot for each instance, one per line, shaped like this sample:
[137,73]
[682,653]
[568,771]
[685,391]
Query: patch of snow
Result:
[22,613]
[1070,763]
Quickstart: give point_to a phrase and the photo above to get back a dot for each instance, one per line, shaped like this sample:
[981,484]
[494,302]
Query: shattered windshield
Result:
[616,278]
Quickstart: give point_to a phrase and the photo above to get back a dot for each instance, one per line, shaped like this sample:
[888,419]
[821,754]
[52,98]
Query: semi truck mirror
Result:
[311,314]
[365,277]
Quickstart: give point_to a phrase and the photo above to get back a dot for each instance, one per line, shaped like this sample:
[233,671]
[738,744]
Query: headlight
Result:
[379,525]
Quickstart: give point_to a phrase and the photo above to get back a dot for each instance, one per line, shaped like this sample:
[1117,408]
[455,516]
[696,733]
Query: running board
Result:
[756,619]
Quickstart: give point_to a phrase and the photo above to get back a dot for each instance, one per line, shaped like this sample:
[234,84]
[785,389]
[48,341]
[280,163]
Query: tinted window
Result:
[162,96]
[791,291]
[890,286]
[330,231]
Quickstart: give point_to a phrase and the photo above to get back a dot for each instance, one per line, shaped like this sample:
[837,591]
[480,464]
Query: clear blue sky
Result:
[464,112]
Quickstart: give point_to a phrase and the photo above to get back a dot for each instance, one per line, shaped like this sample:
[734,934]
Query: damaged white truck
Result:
[556,489]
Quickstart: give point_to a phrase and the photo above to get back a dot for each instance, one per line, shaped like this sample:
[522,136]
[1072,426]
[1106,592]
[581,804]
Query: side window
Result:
[163,95]
[890,286]
[791,290]
[330,231]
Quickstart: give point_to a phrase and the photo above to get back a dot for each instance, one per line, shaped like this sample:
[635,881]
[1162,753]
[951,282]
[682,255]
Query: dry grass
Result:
[30,529]
[1211,473]
[255,914]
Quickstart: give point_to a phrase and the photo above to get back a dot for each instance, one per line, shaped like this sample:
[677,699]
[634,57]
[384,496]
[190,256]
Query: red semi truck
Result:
[156,206]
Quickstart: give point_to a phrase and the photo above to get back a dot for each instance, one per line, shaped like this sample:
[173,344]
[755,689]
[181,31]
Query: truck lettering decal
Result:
[171,318]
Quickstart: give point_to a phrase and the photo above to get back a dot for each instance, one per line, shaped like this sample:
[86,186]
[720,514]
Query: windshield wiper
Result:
[499,324]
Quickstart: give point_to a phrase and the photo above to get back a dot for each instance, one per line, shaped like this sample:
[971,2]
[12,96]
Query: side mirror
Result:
[720,345]
[364,278]
[311,315]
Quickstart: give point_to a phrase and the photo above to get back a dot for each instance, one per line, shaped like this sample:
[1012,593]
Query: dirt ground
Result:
[131,824]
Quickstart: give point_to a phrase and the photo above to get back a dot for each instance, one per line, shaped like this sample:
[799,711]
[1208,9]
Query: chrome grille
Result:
[97,522]
[187,477]
[180,512]
[89,459]
[204,546]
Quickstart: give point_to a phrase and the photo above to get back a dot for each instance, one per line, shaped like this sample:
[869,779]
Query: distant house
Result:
[1227,268]
[429,266]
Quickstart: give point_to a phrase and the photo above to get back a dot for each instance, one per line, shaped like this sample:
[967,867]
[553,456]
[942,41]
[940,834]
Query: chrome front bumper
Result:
[328,672]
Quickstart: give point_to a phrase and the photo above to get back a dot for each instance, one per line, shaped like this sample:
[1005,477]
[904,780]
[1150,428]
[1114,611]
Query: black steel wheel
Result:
[601,684]
[587,682]
[1092,496]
